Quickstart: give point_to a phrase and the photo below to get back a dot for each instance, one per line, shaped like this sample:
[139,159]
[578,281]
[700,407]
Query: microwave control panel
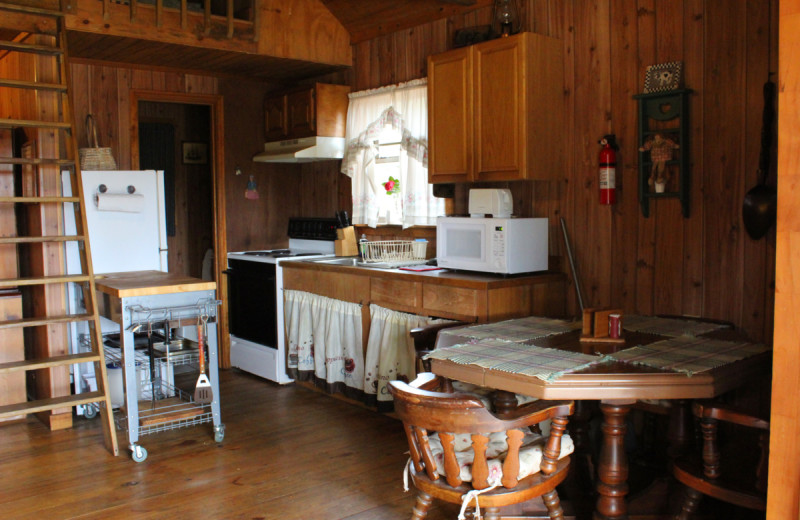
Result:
[498,247]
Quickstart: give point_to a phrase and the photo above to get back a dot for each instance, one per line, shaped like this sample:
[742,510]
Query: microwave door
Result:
[464,246]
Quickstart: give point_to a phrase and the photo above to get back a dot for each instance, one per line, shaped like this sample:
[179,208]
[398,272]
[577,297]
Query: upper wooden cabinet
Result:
[496,111]
[315,110]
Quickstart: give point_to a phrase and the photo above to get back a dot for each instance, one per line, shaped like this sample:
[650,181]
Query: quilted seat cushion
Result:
[484,394]
[530,454]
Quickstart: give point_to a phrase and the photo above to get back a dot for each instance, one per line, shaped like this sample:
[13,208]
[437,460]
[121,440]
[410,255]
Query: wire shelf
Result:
[167,414]
[205,309]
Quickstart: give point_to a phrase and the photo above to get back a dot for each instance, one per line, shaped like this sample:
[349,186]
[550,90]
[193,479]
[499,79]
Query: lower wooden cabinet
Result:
[472,298]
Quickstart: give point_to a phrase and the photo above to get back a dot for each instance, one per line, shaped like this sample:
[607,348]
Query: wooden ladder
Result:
[38,44]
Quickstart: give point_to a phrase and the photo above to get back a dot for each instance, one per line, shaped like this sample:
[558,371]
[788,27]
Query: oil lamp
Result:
[506,17]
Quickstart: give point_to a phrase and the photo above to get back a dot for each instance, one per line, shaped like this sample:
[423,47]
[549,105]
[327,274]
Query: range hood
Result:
[306,149]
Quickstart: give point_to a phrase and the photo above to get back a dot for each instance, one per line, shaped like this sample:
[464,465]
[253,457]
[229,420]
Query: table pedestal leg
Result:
[678,435]
[612,467]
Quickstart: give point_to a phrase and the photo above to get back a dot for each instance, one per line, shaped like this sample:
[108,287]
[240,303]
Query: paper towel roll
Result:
[133,203]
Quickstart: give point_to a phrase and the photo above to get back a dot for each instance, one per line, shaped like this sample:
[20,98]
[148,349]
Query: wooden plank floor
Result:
[288,453]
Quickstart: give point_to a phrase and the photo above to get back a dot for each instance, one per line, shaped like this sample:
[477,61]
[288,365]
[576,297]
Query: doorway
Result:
[198,151]
[175,137]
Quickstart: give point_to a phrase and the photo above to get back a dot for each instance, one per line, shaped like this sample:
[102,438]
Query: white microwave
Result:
[492,245]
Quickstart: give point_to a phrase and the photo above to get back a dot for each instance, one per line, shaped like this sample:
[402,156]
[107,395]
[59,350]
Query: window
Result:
[386,156]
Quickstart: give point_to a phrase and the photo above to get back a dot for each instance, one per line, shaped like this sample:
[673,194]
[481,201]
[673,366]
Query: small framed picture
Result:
[663,77]
[195,153]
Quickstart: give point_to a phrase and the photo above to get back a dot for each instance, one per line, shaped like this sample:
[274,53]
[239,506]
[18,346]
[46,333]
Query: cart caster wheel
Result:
[219,433]
[139,454]
[90,412]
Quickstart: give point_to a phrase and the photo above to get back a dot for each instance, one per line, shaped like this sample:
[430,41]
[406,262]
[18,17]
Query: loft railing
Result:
[240,11]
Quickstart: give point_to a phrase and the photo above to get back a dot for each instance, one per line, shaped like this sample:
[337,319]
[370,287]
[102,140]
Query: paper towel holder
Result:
[103,188]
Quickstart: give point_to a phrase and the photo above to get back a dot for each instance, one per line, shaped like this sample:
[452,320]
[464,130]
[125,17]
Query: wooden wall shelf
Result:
[665,114]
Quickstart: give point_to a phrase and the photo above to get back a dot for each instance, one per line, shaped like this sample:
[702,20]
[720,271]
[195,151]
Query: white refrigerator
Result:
[126,219]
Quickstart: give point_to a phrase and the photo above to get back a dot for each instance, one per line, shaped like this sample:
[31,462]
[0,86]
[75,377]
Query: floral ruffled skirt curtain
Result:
[390,352]
[325,342]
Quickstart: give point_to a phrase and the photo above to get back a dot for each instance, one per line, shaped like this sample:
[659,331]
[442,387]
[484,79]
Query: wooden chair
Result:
[463,427]
[723,474]
[425,341]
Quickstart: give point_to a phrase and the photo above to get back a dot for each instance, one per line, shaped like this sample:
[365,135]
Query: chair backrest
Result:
[424,410]
[425,341]
[710,415]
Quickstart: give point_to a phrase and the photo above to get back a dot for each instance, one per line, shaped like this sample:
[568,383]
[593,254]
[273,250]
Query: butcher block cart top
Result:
[144,300]
[149,283]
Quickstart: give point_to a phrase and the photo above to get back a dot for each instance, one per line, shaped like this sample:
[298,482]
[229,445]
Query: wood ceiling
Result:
[91,47]
[363,20]
[366,19]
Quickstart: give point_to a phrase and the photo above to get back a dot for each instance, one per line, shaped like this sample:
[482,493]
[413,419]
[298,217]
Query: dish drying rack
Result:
[163,406]
[394,253]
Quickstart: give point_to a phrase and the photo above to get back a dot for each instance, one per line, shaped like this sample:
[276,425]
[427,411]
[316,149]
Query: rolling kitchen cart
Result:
[141,299]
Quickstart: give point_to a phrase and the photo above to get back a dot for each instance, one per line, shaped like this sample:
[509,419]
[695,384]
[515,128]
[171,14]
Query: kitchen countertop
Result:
[440,277]
[149,283]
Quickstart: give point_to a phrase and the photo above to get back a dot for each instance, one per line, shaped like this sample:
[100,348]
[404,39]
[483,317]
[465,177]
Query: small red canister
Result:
[615,326]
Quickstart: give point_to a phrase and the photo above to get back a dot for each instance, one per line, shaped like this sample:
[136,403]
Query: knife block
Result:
[345,244]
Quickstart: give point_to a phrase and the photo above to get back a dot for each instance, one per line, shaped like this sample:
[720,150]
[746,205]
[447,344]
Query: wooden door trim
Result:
[215,102]
[784,474]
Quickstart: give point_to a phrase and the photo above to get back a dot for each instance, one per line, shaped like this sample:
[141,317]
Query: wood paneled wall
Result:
[36,260]
[284,190]
[104,92]
[702,265]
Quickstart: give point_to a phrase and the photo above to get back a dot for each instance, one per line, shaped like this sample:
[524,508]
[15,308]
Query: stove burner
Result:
[289,253]
[277,253]
[272,252]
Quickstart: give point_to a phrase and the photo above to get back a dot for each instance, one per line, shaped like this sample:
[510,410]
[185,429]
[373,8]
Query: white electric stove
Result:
[255,293]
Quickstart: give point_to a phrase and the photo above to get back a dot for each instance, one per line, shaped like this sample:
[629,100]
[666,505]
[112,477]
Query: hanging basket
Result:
[95,157]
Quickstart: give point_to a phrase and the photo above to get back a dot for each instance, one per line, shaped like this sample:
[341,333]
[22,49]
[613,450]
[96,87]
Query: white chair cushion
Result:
[530,454]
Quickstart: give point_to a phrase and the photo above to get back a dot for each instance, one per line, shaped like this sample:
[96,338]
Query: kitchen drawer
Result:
[346,287]
[453,302]
[400,295]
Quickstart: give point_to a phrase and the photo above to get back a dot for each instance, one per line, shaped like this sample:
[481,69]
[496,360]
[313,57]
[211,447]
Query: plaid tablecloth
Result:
[516,358]
[690,355]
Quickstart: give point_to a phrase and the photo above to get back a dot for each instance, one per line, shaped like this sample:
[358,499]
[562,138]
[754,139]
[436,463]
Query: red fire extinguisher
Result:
[608,169]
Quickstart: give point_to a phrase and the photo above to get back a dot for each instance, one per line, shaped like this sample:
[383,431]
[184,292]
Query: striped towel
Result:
[547,364]
[689,354]
[516,330]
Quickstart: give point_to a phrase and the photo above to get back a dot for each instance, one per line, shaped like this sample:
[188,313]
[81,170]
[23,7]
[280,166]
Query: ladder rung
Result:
[29,9]
[15,83]
[33,123]
[43,405]
[34,161]
[50,320]
[6,45]
[55,361]
[44,280]
[42,240]
[39,200]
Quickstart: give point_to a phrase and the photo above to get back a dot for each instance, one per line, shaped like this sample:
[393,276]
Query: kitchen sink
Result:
[347,260]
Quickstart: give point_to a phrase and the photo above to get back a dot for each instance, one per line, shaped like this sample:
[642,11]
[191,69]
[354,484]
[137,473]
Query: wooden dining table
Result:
[657,358]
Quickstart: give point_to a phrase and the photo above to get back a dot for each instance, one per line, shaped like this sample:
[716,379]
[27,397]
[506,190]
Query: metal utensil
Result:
[760,207]
[203,392]
[152,358]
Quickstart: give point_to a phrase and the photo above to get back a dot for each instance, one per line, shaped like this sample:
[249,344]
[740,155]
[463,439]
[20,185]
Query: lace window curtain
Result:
[405,108]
